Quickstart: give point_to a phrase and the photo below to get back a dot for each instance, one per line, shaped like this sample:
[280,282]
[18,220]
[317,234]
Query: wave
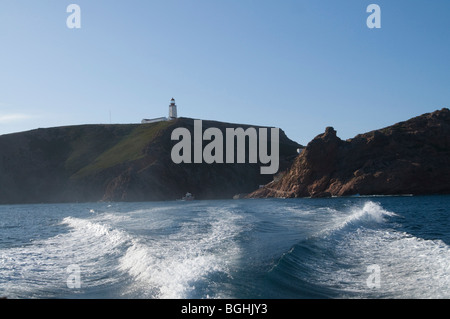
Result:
[328,221]
[42,266]
[171,268]
[90,240]
[164,257]
[370,213]
[336,262]
[269,249]
[413,267]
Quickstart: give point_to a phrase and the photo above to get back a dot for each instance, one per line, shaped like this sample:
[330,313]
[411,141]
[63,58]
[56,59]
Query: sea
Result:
[375,247]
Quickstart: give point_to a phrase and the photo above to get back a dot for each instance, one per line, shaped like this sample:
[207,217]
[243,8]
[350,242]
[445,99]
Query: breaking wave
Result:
[336,261]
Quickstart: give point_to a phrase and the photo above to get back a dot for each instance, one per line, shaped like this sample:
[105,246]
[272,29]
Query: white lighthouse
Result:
[172,114]
[172,110]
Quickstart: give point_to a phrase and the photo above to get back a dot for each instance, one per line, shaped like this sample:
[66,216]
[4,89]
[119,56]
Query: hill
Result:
[411,157]
[126,162]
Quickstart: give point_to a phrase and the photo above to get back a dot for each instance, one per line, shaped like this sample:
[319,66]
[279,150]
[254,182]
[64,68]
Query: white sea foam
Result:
[410,267]
[169,268]
[194,251]
[42,266]
[93,239]
[337,220]
[166,267]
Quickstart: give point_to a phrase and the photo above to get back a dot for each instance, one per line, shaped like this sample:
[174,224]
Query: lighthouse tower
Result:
[172,110]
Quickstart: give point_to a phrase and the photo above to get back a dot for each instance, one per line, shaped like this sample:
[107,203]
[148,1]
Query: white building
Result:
[172,114]
[158,119]
[172,110]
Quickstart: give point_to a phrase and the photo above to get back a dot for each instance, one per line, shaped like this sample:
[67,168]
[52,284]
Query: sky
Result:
[300,65]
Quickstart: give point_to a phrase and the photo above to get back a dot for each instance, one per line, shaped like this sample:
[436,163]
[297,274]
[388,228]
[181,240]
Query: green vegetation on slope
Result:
[88,142]
[129,148]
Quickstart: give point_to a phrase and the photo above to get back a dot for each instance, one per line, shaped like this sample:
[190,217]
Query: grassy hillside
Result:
[129,148]
[127,162]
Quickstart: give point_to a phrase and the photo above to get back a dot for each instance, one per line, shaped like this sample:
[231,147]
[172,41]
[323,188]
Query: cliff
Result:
[118,163]
[411,157]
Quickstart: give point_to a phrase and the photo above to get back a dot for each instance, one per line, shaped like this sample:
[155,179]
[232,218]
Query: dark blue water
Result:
[359,247]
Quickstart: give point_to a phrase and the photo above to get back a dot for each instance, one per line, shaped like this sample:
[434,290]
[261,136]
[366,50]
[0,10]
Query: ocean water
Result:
[358,247]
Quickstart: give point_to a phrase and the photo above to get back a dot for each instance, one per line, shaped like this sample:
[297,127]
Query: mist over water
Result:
[272,248]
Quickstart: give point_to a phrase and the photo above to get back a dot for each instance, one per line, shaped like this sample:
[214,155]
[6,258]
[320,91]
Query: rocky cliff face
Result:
[411,157]
[118,163]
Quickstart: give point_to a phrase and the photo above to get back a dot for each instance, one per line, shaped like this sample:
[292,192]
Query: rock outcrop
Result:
[118,163]
[411,157]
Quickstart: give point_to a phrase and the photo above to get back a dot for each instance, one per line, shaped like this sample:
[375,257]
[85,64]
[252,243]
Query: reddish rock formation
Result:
[411,157]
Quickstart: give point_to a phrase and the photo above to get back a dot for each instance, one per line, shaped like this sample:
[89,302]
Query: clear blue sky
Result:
[300,65]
